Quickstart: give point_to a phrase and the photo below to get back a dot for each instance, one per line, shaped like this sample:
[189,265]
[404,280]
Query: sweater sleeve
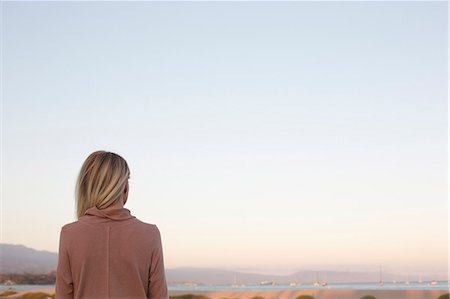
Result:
[157,286]
[64,282]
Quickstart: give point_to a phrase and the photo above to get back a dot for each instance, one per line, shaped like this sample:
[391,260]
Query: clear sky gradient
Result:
[260,135]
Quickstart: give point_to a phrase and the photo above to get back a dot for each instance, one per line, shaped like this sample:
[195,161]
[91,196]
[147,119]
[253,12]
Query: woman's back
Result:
[108,253]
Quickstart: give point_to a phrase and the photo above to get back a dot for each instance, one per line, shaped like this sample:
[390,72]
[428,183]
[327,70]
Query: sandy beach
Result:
[292,294]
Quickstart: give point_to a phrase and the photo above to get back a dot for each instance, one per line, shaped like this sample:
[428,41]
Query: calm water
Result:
[441,285]
[26,287]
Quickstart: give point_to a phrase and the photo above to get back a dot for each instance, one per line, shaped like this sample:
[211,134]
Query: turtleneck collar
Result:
[112,213]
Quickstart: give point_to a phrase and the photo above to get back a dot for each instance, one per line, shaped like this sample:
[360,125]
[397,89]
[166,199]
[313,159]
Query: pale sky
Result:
[260,135]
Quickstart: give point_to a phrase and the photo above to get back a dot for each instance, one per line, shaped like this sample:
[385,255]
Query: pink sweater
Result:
[110,254]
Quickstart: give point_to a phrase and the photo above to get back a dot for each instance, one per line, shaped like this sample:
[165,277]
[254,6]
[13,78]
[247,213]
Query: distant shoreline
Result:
[200,287]
[323,294]
[290,294]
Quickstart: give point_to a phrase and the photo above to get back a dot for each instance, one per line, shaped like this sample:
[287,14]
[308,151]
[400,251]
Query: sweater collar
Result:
[112,213]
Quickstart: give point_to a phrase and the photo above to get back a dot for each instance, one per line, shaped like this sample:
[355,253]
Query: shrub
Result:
[7,293]
[257,297]
[368,297]
[189,296]
[304,297]
[37,295]
[444,296]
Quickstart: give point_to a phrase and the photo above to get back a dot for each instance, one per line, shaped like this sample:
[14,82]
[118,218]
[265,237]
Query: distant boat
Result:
[381,283]
[293,284]
[9,283]
[317,283]
[324,283]
[234,284]
[266,283]
[433,282]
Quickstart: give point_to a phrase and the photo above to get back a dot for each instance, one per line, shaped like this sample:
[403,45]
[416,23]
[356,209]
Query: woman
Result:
[108,253]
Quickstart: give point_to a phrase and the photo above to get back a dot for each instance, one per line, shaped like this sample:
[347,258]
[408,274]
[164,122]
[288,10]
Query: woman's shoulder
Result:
[143,228]
[70,226]
[150,227]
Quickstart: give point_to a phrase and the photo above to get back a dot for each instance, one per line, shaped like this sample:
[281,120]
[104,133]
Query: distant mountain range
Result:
[21,259]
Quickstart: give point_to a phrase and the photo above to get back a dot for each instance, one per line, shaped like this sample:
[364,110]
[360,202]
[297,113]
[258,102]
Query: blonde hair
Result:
[101,182]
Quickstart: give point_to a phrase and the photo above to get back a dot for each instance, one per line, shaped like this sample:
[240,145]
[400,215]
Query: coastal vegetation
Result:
[28,278]
[38,295]
[445,296]
[189,296]
[368,297]
[305,297]
[7,293]
[29,295]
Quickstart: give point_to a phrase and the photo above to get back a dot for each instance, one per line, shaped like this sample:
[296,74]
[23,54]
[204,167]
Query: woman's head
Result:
[103,180]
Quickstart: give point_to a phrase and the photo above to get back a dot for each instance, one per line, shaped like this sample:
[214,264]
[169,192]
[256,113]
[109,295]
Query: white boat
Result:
[296,283]
[9,283]
[381,283]
[317,283]
[433,282]
[324,283]
[234,284]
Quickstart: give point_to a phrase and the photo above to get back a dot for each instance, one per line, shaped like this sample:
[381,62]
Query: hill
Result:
[21,259]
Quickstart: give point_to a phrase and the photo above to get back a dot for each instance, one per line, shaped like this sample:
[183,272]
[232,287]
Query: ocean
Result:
[440,285]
